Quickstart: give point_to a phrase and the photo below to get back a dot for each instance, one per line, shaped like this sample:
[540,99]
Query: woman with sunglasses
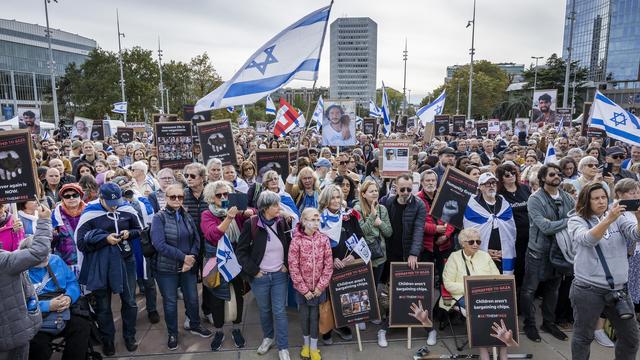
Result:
[248,172]
[176,239]
[589,173]
[65,221]
[217,221]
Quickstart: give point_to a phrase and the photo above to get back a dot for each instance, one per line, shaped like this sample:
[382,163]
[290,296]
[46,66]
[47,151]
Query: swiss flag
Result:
[286,119]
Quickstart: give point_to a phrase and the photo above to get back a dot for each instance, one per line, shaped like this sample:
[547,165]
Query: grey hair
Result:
[202,171]
[585,160]
[211,188]
[165,171]
[140,165]
[428,172]
[213,161]
[113,157]
[468,233]
[326,194]
[267,199]
[575,151]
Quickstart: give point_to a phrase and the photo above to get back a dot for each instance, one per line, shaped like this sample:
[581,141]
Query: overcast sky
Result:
[230,31]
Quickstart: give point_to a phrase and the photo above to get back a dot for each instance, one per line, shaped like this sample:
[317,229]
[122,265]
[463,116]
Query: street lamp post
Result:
[121,63]
[161,85]
[535,82]
[54,94]
[567,68]
[458,99]
[404,84]
[472,51]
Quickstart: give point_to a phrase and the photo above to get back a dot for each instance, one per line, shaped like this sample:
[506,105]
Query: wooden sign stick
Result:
[358,338]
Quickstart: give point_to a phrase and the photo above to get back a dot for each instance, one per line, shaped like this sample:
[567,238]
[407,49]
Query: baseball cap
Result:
[486,177]
[111,194]
[76,144]
[71,186]
[322,162]
[447,150]
[614,150]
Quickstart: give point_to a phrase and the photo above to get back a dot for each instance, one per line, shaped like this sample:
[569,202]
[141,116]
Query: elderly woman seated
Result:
[57,289]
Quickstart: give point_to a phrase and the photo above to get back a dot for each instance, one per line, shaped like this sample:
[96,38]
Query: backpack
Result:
[145,240]
[562,252]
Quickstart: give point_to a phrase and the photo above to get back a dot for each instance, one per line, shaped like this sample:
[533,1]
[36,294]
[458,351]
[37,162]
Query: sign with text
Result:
[353,295]
[195,118]
[563,115]
[17,173]
[394,157]
[586,121]
[493,126]
[490,301]
[441,125]
[97,130]
[272,159]
[216,140]
[261,127]
[124,135]
[453,195]
[369,126]
[409,289]
[174,142]
[459,123]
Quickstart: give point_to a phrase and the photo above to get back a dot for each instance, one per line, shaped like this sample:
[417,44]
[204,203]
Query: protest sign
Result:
[493,126]
[401,124]
[294,155]
[394,157]
[410,287]
[488,301]
[369,126]
[272,159]
[17,172]
[195,118]
[586,123]
[470,127]
[29,119]
[453,195]
[261,127]
[459,123]
[174,142]
[506,126]
[97,130]
[563,115]
[441,125]
[164,118]
[124,135]
[521,126]
[216,140]
[353,294]
[482,128]
[82,129]
[339,123]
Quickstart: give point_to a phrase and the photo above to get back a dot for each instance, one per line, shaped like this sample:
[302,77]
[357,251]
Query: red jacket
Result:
[310,261]
[430,229]
[209,226]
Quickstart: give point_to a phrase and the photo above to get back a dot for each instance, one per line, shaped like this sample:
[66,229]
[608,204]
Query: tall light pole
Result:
[121,63]
[404,84]
[458,99]
[535,83]
[567,68]
[167,90]
[52,69]
[472,51]
[161,85]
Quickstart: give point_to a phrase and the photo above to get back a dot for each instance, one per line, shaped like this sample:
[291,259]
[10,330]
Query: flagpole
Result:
[313,88]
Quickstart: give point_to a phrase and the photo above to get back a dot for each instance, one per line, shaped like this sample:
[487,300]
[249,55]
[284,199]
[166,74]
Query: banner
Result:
[441,125]
[459,123]
[563,115]
[410,287]
[544,106]
[261,127]
[82,129]
[394,157]
[174,142]
[97,130]
[17,172]
[272,159]
[353,295]
[339,124]
[369,126]
[452,197]
[216,140]
[124,135]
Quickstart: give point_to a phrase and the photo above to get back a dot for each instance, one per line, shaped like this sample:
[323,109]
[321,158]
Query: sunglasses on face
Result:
[617,157]
[71,196]
[491,183]
[404,189]
[176,197]
[508,174]
[552,174]
[191,176]
[221,195]
[591,165]
[471,242]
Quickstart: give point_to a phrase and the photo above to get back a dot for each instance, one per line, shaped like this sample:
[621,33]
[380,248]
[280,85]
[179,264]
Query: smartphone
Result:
[606,171]
[631,205]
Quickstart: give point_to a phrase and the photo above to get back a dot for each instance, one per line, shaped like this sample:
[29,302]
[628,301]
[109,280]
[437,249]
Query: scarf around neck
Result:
[331,225]
[233,231]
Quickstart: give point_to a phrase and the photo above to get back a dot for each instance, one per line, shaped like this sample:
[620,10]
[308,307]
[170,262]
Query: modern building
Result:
[302,95]
[514,71]
[25,79]
[354,53]
[606,41]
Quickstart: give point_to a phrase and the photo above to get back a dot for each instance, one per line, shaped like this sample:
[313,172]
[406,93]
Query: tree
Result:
[394,98]
[176,77]
[142,77]
[204,77]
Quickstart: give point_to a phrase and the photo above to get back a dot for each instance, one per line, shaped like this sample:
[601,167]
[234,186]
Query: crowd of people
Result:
[113,221]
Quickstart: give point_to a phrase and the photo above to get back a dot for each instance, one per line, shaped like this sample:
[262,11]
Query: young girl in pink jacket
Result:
[310,267]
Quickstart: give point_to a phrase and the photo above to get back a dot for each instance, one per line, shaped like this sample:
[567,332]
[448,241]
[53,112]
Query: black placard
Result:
[482,127]
[272,159]
[174,142]
[453,195]
[489,299]
[459,123]
[17,173]
[353,294]
[216,140]
[124,135]
[401,124]
[369,126]
[97,130]
[441,125]
[195,118]
[408,287]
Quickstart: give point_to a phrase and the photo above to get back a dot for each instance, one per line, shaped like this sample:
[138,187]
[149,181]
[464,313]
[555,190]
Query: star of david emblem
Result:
[438,109]
[227,255]
[619,119]
[269,59]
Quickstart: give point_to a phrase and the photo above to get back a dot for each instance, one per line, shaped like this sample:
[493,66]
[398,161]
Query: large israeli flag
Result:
[271,107]
[374,111]
[616,121]
[385,112]
[429,111]
[292,54]
[318,114]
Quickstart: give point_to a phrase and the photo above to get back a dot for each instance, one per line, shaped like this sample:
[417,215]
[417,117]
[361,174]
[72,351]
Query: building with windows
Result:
[354,53]
[606,41]
[301,96]
[25,78]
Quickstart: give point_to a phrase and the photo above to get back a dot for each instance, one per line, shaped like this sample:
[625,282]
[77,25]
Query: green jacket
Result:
[373,233]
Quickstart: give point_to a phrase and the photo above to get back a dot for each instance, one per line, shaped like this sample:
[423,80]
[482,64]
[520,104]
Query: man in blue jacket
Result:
[107,264]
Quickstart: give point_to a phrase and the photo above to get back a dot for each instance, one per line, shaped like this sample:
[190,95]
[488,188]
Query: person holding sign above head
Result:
[336,127]
[601,235]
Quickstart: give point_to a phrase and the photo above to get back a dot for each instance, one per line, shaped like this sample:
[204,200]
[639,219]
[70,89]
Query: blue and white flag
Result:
[550,156]
[385,112]
[228,264]
[243,122]
[288,206]
[271,107]
[292,54]
[120,107]
[374,111]
[616,121]
[331,225]
[230,109]
[318,114]
[429,111]
[45,135]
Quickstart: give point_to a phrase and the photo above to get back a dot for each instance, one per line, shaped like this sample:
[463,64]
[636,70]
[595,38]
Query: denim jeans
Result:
[128,309]
[168,284]
[588,302]
[270,291]
[534,276]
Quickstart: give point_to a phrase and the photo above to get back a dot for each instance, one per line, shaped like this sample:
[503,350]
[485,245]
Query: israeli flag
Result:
[230,109]
[244,119]
[318,114]
[302,122]
[550,156]
[616,121]
[429,111]
[385,112]
[292,54]
[271,107]
[228,265]
[120,107]
[374,111]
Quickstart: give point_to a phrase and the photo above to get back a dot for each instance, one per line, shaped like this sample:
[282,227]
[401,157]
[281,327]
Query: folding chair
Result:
[448,300]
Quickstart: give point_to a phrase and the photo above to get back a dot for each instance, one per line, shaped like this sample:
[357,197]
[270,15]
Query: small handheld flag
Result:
[244,119]
[318,113]
[271,107]
[385,112]
[286,119]
[227,261]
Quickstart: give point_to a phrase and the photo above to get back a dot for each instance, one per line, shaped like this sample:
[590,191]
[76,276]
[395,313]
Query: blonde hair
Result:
[364,204]
[307,213]
[327,194]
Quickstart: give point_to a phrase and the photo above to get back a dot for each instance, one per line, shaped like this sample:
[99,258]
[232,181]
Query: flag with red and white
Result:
[287,119]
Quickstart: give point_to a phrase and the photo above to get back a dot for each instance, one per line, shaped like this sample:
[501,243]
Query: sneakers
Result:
[305,353]
[201,331]
[344,333]
[602,338]
[131,345]
[186,324]
[238,339]
[376,322]
[532,333]
[154,317]
[172,343]
[315,355]
[382,338]
[284,354]
[362,326]
[108,349]
[433,338]
[216,343]
[327,339]
[422,352]
[267,343]
[555,331]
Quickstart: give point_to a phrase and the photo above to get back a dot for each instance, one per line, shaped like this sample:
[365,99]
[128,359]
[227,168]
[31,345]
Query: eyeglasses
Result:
[221,195]
[553,174]
[167,178]
[343,162]
[591,165]
[491,183]
[507,174]
[176,197]
[73,195]
[471,242]
[404,189]
[191,176]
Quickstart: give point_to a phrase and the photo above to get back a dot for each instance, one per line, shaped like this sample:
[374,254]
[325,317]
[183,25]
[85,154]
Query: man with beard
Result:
[29,122]
[53,152]
[548,214]
[544,113]
[446,157]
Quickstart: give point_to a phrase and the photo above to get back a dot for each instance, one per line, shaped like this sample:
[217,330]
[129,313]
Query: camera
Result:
[620,299]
